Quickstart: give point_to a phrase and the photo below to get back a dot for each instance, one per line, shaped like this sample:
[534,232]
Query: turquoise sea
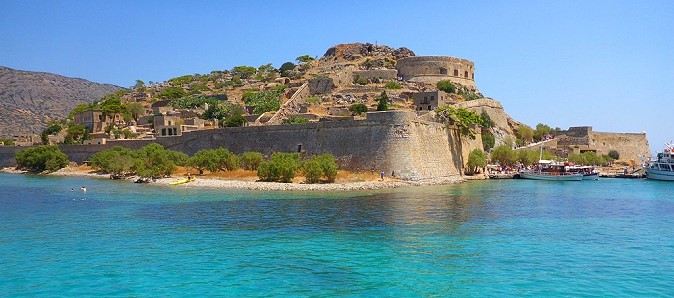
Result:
[612,237]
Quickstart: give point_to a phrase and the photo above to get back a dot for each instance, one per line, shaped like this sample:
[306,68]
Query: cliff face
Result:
[30,99]
[504,125]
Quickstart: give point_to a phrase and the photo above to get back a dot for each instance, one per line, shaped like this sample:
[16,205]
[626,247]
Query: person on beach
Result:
[382,176]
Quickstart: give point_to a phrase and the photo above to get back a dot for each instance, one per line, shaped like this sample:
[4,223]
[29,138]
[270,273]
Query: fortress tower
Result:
[432,69]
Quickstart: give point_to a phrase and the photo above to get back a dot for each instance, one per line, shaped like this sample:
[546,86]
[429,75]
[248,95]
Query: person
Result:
[393,173]
[189,176]
[72,189]
[382,176]
[84,189]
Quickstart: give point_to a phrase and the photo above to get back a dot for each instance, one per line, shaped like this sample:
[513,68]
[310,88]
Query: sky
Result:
[605,64]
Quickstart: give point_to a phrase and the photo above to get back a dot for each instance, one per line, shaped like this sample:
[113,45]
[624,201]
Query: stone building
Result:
[431,100]
[432,69]
[26,140]
[630,146]
[94,121]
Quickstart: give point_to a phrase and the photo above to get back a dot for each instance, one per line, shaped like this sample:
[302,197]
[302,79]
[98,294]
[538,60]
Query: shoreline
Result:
[234,184]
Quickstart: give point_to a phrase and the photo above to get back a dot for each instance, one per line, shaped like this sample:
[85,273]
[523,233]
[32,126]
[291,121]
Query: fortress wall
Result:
[631,146]
[386,141]
[375,74]
[431,69]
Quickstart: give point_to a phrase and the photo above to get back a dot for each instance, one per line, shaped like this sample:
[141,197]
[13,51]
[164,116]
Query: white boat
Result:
[588,172]
[547,170]
[662,168]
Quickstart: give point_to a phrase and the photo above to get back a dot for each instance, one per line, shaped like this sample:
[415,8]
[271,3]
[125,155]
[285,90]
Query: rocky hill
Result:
[30,99]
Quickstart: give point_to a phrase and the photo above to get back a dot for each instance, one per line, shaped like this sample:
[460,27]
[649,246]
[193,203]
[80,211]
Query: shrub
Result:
[614,154]
[251,160]
[282,167]
[172,93]
[488,140]
[41,158]
[447,86]
[226,161]
[322,166]
[382,104]
[312,170]
[358,108]
[295,120]
[392,85]
[503,154]
[263,101]
[153,161]
[203,160]
[313,100]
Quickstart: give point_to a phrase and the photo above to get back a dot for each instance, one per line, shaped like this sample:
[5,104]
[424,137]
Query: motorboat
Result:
[662,167]
[551,171]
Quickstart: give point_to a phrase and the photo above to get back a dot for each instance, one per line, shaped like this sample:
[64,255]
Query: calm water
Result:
[610,237]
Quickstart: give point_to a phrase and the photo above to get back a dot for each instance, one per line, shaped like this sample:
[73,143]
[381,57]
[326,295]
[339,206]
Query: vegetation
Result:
[304,59]
[281,167]
[488,140]
[358,108]
[7,142]
[227,114]
[476,159]
[193,102]
[244,72]
[523,135]
[295,120]
[614,154]
[446,86]
[462,118]
[392,85]
[41,158]
[264,101]
[116,161]
[214,160]
[542,131]
[590,159]
[313,100]
[286,68]
[382,100]
[251,160]
[52,129]
[360,80]
[504,155]
[172,92]
[322,166]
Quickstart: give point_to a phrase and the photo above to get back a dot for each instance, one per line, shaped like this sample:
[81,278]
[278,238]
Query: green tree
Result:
[541,131]
[503,154]
[41,158]
[155,162]
[486,120]
[251,160]
[139,86]
[476,159]
[286,68]
[524,135]
[488,140]
[304,59]
[447,86]
[462,118]
[382,104]
[117,161]
[263,101]
[136,110]
[204,160]
[226,160]
[244,72]
[53,128]
[358,108]
[528,157]
[311,169]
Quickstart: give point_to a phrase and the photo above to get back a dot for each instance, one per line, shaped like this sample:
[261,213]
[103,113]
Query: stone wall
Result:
[631,146]
[431,69]
[385,141]
[375,74]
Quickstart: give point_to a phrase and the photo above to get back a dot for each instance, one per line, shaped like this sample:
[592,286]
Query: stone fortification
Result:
[630,146]
[503,123]
[431,69]
[375,75]
[385,141]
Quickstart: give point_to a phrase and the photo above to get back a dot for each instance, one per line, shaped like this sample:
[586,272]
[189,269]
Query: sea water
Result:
[612,237]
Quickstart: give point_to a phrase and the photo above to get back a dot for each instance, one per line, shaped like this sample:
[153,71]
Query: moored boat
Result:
[547,170]
[588,172]
[662,168]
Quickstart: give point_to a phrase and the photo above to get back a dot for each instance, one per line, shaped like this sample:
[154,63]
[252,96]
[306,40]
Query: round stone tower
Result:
[432,69]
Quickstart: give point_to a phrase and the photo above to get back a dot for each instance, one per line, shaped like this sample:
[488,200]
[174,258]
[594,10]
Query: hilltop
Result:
[31,99]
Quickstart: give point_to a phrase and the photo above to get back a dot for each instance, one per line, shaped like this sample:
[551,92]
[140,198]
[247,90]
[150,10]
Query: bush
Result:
[311,169]
[295,120]
[392,85]
[153,161]
[614,154]
[41,158]
[358,108]
[251,160]
[322,166]
[488,140]
[282,167]
[447,86]
[476,159]
[383,102]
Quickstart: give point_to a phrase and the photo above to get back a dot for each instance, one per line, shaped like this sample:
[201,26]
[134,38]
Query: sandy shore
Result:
[220,183]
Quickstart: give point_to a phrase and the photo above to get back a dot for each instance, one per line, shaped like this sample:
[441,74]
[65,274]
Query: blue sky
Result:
[607,64]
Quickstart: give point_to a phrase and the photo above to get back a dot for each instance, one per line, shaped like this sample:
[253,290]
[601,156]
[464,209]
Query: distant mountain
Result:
[30,99]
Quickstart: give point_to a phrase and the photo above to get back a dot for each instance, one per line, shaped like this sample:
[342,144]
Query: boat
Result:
[662,167]
[588,172]
[550,171]
[182,181]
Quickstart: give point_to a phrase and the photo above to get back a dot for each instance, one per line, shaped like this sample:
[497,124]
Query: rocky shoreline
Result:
[216,183]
